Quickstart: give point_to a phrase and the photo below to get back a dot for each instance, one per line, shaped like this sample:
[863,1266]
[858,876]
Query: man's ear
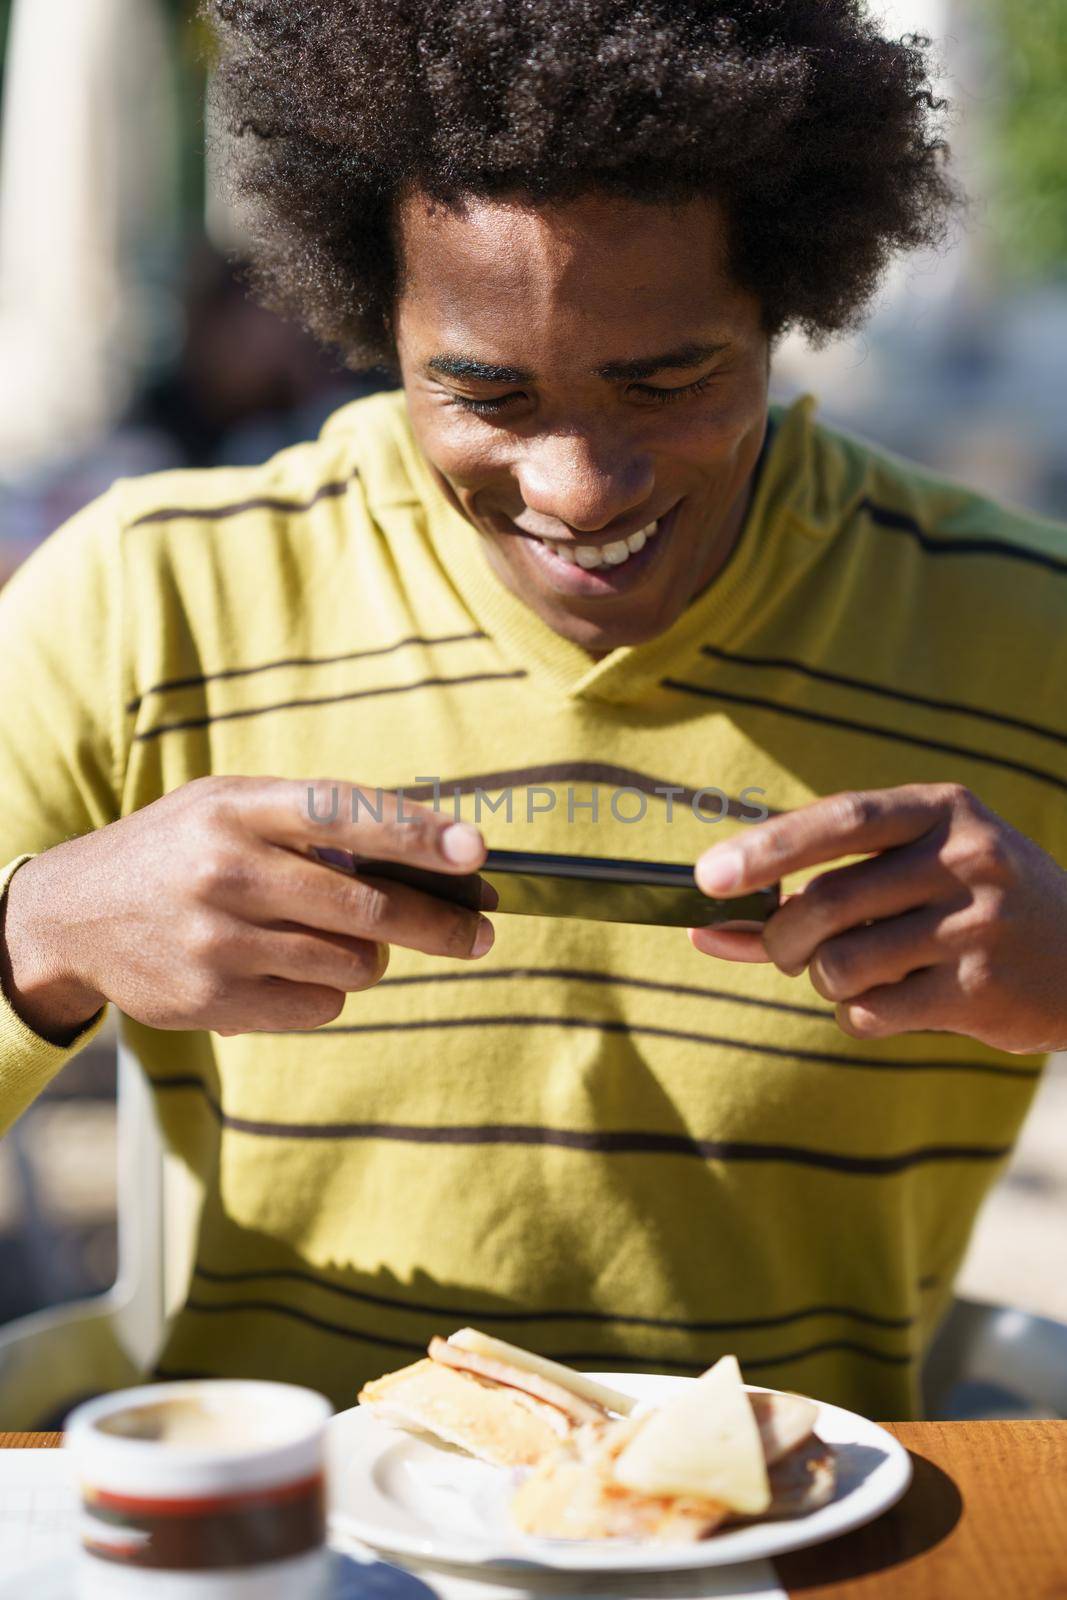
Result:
[391,364]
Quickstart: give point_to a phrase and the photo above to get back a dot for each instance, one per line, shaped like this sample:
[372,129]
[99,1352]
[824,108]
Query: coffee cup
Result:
[203,1486]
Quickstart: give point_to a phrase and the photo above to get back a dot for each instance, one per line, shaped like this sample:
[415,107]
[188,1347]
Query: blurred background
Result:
[127,345]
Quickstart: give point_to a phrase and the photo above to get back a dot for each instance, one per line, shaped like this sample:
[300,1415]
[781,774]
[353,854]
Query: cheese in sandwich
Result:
[713,1454]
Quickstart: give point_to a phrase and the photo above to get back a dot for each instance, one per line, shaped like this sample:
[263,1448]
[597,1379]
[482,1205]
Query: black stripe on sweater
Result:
[593,773]
[900,522]
[473,1314]
[596,1141]
[288,508]
[324,700]
[649,1030]
[617,1358]
[614,980]
[823,719]
[864,686]
[198,680]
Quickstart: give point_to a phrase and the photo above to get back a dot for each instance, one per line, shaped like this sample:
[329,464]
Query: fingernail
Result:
[483,939]
[720,870]
[489,897]
[461,844]
[334,858]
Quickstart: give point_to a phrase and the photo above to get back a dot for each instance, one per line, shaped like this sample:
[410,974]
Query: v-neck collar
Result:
[623,674]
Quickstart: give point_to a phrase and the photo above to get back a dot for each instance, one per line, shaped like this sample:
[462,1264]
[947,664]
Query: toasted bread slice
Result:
[581,1397]
[501,1425]
[502,1404]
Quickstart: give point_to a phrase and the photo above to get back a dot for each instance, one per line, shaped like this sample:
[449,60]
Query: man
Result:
[577,585]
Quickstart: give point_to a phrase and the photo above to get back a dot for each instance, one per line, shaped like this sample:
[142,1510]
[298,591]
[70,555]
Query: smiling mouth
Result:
[590,557]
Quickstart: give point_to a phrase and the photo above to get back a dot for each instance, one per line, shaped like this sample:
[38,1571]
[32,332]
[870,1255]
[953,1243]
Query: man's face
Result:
[590,388]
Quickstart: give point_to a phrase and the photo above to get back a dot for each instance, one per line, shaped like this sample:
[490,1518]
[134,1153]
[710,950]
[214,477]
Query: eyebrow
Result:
[683,358]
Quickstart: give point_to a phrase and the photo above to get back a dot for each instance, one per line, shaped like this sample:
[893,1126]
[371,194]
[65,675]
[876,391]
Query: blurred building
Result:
[127,343]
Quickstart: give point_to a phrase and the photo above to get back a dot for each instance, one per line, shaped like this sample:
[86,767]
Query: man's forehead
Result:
[596,267]
[514,242]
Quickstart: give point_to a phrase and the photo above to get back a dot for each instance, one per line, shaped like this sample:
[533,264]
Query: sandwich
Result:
[595,1465]
[500,1403]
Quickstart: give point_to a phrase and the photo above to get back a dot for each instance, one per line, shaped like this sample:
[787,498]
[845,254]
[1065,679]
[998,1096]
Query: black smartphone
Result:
[532,884]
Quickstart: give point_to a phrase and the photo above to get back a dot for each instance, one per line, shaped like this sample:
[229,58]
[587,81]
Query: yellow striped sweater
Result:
[595,1142]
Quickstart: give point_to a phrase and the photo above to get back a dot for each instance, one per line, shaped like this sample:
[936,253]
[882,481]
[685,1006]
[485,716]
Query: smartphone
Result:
[532,884]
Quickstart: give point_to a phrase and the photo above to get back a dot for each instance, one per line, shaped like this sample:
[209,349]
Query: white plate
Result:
[407,1497]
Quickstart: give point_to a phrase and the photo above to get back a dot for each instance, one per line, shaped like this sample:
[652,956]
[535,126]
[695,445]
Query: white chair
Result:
[51,1359]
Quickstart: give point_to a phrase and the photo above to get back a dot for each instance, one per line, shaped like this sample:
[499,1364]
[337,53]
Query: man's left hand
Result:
[955,922]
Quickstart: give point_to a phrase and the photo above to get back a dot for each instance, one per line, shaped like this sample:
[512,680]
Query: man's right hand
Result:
[205,910]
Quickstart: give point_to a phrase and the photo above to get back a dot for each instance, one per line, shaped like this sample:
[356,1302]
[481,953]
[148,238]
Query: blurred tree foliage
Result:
[192,40]
[1026,134]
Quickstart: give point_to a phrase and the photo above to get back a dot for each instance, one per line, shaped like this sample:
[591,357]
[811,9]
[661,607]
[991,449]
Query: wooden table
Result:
[984,1519]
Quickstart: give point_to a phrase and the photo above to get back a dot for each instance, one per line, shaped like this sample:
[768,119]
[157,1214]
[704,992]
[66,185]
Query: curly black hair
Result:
[822,138]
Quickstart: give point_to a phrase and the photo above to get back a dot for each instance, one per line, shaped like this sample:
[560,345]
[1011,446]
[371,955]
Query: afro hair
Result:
[822,138]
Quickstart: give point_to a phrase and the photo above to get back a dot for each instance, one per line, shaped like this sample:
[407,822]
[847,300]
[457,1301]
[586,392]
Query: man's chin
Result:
[633,625]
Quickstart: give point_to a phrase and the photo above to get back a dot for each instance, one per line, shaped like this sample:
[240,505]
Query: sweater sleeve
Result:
[61,755]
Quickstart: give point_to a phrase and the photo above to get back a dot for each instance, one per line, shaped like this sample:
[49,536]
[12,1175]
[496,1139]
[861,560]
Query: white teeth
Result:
[591,556]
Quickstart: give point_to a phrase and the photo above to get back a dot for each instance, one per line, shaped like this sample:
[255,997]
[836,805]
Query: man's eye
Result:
[485,408]
[647,391]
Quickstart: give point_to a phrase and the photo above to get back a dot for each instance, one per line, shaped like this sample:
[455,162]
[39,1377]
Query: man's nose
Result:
[584,481]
